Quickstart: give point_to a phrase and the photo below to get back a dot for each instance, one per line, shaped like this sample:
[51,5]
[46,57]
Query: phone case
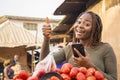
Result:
[79,47]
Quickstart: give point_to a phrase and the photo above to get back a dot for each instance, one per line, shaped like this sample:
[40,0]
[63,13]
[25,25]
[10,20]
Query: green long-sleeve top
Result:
[102,56]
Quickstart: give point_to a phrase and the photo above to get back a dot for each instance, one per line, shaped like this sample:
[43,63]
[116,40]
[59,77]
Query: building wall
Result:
[8,53]
[110,14]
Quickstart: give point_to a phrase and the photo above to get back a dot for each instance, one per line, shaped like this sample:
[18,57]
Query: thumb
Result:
[47,20]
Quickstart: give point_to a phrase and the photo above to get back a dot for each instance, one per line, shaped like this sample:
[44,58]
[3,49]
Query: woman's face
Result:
[83,26]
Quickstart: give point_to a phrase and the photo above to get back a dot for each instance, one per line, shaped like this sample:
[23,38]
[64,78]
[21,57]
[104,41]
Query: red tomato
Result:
[16,77]
[74,71]
[83,70]
[80,76]
[19,79]
[99,75]
[41,72]
[23,74]
[91,70]
[91,78]
[33,78]
[54,78]
[57,70]
[65,77]
[66,67]
[88,74]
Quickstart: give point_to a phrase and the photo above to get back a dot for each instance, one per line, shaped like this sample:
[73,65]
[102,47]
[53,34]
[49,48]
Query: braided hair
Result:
[95,37]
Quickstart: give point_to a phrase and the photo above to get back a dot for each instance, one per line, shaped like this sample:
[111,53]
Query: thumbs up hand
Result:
[46,29]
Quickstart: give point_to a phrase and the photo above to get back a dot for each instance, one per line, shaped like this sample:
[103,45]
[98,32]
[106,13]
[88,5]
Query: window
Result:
[30,26]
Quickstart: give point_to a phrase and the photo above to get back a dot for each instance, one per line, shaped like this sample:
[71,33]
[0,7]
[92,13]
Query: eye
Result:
[78,22]
[87,24]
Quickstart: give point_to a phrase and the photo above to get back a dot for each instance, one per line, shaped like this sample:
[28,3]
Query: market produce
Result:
[32,78]
[40,73]
[67,72]
[54,78]
[74,71]
[66,68]
[22,75]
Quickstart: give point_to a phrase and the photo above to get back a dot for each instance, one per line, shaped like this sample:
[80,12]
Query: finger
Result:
[77,60]
[46,29]
[78,53]
[74,59]
[48,32]
[47,20]
[46,25]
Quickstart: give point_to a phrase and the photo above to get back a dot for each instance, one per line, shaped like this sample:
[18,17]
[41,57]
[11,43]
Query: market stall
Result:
[15,40]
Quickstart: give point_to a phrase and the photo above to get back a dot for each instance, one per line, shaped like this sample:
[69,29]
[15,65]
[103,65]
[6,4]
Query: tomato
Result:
[65,77]
[91,70]
[58,70]
[54,78]
[66,67]
[99,75]
[91,78]
[19,79]
[22,75]
[83,70]
[33,78]
[80,76]
[88,74]
[74,71]
[16,77]
[40,73]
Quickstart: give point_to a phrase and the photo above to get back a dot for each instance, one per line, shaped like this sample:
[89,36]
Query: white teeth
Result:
[80,31]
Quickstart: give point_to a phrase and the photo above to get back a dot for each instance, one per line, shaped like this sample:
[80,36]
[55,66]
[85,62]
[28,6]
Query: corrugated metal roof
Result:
[10,17]
[71,9]
[11,36]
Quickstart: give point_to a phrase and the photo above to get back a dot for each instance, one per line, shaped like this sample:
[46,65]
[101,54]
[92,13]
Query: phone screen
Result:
[79,47]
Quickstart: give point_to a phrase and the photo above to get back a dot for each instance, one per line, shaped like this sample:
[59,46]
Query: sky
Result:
[30,8]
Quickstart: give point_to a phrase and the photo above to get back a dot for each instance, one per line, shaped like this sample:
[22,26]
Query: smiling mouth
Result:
[80,31]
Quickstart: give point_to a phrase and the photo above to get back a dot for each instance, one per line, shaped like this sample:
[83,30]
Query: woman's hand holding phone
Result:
[80,48]
[82,60]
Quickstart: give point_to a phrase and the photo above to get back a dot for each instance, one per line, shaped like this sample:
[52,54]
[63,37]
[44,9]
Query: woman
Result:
[17,66]
[8,72]
[88,31]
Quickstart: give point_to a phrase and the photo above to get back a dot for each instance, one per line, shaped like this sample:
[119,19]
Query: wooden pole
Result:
[64,41]
[32,60]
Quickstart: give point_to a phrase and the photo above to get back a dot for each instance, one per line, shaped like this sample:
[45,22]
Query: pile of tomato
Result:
[67,72]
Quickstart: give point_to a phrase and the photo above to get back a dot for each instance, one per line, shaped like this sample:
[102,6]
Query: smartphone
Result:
[79,47]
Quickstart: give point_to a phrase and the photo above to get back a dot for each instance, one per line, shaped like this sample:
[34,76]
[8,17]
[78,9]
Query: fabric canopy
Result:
[12,35]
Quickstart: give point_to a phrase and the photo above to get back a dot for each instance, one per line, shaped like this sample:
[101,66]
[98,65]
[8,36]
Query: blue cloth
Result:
[60,65]
[10,73]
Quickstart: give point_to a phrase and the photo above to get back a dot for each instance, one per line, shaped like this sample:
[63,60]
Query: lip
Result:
[80,32]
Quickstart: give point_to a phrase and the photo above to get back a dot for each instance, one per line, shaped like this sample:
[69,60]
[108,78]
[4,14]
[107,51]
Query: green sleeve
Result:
[110,64]
[61,55]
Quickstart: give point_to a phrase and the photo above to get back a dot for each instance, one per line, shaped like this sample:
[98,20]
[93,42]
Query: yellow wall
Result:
[110,14]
